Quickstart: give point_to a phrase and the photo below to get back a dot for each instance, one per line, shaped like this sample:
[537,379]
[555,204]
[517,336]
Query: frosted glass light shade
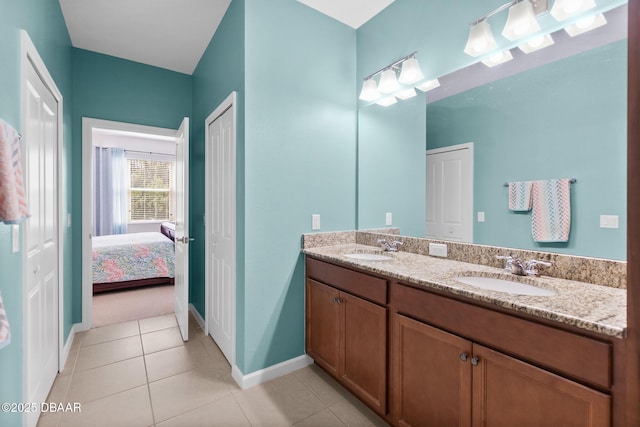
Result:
[498,58]
[406,94]
[586,24]
[411,72]
[389,100]
[388,81]
[536,43]
[480,39]
[428,85]
[565,9]
[369,90]
[521,21]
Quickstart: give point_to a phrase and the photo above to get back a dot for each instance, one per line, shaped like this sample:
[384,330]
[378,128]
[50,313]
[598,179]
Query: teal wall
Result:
[109,88]
[219,72]
[300,156]
[43,21]
[565,119]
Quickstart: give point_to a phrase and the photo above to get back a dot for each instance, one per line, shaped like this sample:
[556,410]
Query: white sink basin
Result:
[502,285]
[368,256]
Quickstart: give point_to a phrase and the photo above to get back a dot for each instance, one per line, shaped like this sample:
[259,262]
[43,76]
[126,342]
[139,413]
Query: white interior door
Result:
[449,197]
[221,230]
[40,240]
[182,229]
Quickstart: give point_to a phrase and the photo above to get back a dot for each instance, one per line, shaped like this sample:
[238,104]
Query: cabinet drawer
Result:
[574,355]
[359,284]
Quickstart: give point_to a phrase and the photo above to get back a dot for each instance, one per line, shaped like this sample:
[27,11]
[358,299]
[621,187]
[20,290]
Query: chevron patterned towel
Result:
[13,204]
[5,333]
[551,219]
[520,196]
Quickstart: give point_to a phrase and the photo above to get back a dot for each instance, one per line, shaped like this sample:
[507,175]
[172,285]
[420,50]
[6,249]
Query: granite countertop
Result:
[596,308]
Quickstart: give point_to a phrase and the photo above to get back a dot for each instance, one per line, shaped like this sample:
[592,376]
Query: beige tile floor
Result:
[141,373]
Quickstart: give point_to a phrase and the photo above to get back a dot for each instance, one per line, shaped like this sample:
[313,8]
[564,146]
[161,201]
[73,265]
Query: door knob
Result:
[185,239]
[475,360]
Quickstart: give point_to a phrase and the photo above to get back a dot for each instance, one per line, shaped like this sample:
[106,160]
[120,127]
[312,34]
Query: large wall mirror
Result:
[559,114]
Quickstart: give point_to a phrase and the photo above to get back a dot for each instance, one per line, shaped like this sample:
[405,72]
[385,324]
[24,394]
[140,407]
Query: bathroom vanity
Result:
[422,348]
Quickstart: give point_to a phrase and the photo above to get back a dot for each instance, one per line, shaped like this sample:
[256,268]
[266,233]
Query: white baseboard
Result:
[193,310]
[270,373]
[77,327]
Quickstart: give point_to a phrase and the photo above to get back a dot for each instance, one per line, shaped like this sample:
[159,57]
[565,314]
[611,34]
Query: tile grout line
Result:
[146,375]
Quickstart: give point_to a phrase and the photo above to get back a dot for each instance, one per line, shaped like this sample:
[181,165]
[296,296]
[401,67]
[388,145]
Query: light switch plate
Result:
[68,220]
[438,249]
[480,216]
[389,218]
[15,238]
[609,221]
[315,222]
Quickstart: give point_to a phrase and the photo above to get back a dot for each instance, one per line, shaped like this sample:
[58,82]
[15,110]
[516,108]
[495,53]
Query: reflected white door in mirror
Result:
[449,193]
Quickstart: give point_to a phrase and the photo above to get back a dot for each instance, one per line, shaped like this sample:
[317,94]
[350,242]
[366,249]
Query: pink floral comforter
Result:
[132,256]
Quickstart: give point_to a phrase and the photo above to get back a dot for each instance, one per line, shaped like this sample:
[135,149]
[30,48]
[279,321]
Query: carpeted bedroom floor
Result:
[131,304]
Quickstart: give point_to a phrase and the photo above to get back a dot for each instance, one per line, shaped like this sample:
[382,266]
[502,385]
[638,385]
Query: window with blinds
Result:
[151,190]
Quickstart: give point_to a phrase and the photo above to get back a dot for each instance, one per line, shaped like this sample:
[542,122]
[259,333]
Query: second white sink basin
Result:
[502,285]
[368,256]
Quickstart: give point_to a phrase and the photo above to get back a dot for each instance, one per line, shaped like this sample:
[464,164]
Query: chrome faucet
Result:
[522,268]
[389,246]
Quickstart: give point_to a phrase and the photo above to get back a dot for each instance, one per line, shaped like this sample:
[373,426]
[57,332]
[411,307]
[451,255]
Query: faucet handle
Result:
[531,269]
[508,266]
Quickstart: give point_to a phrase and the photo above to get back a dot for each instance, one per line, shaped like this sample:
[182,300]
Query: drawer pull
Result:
[475,360]
[464,357]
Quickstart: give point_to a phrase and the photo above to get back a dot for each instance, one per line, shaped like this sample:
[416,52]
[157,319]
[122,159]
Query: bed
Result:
[131,260]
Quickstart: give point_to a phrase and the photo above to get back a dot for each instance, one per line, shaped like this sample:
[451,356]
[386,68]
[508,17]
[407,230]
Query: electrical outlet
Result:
[389,218]
[438,249]
[315,222]
[15,238]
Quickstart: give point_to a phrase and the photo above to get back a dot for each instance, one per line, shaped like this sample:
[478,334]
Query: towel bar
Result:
[572,180]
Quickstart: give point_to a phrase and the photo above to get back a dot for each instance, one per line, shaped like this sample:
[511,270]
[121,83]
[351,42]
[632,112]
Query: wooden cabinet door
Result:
[508,392]
[323,325]
[431,383]
[364,366]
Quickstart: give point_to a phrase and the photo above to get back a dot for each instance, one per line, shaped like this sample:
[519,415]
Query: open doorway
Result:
[129,210]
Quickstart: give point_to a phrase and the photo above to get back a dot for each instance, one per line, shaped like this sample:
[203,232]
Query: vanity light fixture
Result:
[369,90]
[428,85]
[498,58]
[480,39]
[389,100]
[388,81]
[390,88]
[565,9]
[586,24]
[536,43]
[521,21]
[406,94]
[411,72]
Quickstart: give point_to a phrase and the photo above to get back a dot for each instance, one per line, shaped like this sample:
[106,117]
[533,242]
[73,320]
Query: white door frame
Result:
[29,54]
[88,125]
[229,103]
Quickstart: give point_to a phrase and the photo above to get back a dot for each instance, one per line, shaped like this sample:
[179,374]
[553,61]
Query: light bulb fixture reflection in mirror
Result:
[536,43]
[565,9]
[389,100]
[586,24]
[369,90]
[521,21]
[480,39]
[498,58]
[388,81]
[411,72]
[406,94]
[428,85]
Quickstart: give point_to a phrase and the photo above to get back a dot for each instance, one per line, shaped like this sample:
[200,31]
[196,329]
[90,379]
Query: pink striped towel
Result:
[520,196]
[551,219]
[13,203]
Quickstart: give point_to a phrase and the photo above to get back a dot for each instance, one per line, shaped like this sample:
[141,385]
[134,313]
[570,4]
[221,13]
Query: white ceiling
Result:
[173,34]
